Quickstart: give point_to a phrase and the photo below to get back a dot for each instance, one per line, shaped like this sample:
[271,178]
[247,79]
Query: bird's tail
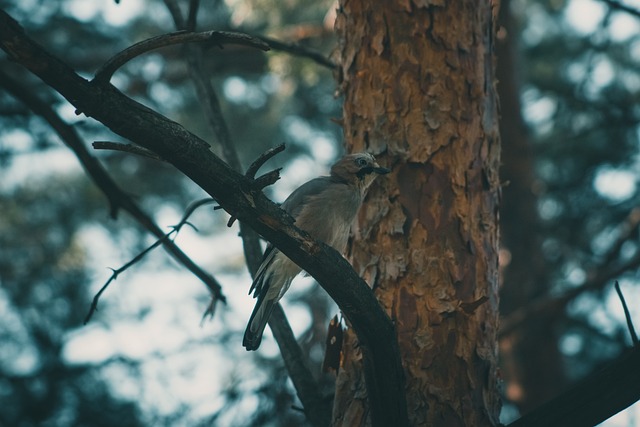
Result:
[257,322]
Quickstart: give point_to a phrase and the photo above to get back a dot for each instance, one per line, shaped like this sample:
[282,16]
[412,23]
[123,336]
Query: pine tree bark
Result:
[418,81]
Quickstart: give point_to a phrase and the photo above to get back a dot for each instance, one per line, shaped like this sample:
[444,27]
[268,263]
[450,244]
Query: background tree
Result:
[570,193]
[530,357]
[577,83]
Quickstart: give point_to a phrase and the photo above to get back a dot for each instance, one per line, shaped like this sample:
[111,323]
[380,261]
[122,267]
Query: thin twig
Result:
[628,230]
[297,49]
[174,230]
[616,5]
[114,275]
[179,37]
[192,208]
[598,279]
[264,180]
[267,179]
[550,304]
[127,148]
[627,315]
[262,159]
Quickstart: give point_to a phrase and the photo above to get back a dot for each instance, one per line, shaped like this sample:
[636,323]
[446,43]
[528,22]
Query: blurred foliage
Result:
[577,64]
[580,99]
[43,288]
[579,94]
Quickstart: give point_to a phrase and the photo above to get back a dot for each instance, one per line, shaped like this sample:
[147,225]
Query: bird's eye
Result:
[361,162]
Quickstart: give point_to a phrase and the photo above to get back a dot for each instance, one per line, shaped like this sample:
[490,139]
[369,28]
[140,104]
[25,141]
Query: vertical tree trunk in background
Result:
[419,92]
[530,359]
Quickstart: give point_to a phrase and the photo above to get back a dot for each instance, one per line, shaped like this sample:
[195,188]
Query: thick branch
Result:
[235,193]
[592,400]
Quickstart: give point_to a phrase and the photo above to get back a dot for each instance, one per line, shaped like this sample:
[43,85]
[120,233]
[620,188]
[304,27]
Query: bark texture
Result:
[418,80]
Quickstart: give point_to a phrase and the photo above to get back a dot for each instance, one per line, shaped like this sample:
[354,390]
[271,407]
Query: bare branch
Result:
[174,230]
[220,130]
[548,305]
[627,315]
[114,275]
[191,209]
[628,230]
[262,159]
[117,198]
[297,49]
[260,183]
[127,148]
[317,410]
[179,37]
[616,5]
[268,178]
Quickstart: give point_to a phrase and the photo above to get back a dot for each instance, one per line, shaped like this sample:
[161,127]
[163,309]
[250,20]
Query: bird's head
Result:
[358,169]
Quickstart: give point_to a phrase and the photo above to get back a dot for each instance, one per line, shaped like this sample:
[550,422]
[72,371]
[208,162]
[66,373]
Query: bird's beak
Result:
[380,170]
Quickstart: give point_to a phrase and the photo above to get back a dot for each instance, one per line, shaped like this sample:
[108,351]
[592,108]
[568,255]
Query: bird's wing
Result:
[296,200]
[258,281]
[292,205]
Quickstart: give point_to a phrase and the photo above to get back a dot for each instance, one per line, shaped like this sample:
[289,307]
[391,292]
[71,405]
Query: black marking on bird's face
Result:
[356,165]
[369,169]
[364,171]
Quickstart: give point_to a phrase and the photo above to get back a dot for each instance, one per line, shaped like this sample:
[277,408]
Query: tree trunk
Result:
[531,362]
[418,80]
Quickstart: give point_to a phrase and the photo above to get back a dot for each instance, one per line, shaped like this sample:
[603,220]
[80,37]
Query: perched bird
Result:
[324,207]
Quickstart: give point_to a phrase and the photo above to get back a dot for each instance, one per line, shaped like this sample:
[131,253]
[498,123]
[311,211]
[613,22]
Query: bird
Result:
[325,207]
